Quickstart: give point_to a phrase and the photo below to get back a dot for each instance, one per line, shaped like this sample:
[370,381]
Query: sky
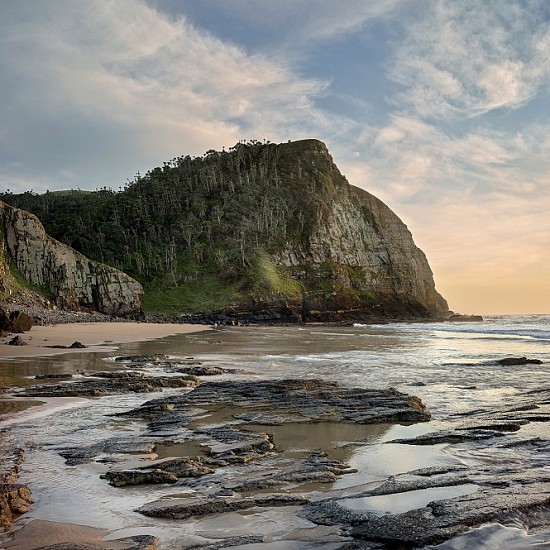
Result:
[438,107]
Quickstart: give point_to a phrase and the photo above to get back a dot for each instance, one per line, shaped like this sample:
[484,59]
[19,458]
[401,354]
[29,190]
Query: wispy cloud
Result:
[476,204]
[124,85]
[434,95]
[462,59]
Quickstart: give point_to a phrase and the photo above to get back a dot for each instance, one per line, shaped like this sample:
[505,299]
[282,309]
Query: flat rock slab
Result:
[274,402]
[507,486]
[185,508]
[111,383]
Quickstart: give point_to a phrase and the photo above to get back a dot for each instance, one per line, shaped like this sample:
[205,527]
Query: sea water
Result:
[451,366]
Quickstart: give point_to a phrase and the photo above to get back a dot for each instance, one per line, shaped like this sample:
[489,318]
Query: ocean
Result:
[451,366]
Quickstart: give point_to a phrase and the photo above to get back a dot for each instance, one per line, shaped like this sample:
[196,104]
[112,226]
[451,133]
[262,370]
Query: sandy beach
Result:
[40,340]
[39,534]
[97,337]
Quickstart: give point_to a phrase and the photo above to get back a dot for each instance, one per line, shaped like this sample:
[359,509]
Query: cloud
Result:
[446,136]
[476,203]
[289,23]
[461,59]
[327,20]
[112,87]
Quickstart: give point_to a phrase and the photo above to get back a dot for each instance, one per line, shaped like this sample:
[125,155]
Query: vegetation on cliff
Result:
[229,228]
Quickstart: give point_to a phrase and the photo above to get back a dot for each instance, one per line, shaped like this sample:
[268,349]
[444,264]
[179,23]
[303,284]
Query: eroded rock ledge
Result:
[74,280]
[512,487]
[15,498]
[275,402]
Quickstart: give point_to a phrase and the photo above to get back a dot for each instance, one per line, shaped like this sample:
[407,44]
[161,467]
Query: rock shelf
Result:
[224,453]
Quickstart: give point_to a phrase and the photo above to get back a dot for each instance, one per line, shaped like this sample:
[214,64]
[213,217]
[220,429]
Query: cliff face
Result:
[73,280]
[272,229]
[362,233]
[361,244]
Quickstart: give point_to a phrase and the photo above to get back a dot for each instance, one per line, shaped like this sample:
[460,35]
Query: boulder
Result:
[21,322]
[5,322]
[511,361]
[17,341]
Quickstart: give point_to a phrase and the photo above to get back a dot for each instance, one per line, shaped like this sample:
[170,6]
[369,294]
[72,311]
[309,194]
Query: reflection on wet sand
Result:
[337,439]
[11,406]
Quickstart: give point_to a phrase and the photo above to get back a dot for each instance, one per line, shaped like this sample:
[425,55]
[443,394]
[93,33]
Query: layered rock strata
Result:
[74,280]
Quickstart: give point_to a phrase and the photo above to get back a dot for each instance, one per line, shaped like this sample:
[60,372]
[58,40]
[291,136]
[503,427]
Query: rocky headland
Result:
[259,233]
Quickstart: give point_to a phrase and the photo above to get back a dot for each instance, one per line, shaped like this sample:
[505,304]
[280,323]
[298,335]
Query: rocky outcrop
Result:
[74,281]
[15,498]
[430,505]
[362,244]
[274,231]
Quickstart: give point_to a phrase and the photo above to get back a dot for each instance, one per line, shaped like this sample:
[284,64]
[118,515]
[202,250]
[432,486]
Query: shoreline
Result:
[381,472]
[96,336]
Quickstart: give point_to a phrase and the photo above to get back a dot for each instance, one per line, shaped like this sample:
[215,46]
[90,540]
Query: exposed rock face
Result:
[510,488]
[363,235]
[74,280]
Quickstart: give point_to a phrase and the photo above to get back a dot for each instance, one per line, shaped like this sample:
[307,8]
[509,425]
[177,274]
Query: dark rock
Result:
[317,468]
[5,323]
[502,493]
[112,384]
[228,543]
[117,375]
[310,400]
[138,477]
[511,361]
[443,519]
[21,322]
[142,358]
[508,486]
[457,317]
[185,508]
[85,454]
[74,345]
[167,471]
[202,370]
[77,345]
[17,341]
[182,467]
[231,446]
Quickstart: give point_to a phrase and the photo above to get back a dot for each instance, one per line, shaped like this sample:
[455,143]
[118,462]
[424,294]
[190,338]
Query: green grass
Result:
[206,294]
[18,281]
[270,278]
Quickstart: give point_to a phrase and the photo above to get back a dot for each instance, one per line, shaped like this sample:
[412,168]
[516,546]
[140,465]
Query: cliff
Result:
[268,231]
[58,270]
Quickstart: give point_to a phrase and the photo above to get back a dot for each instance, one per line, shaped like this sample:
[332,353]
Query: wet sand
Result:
[96,336]
[13,409]
[10,407]
[40,533]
